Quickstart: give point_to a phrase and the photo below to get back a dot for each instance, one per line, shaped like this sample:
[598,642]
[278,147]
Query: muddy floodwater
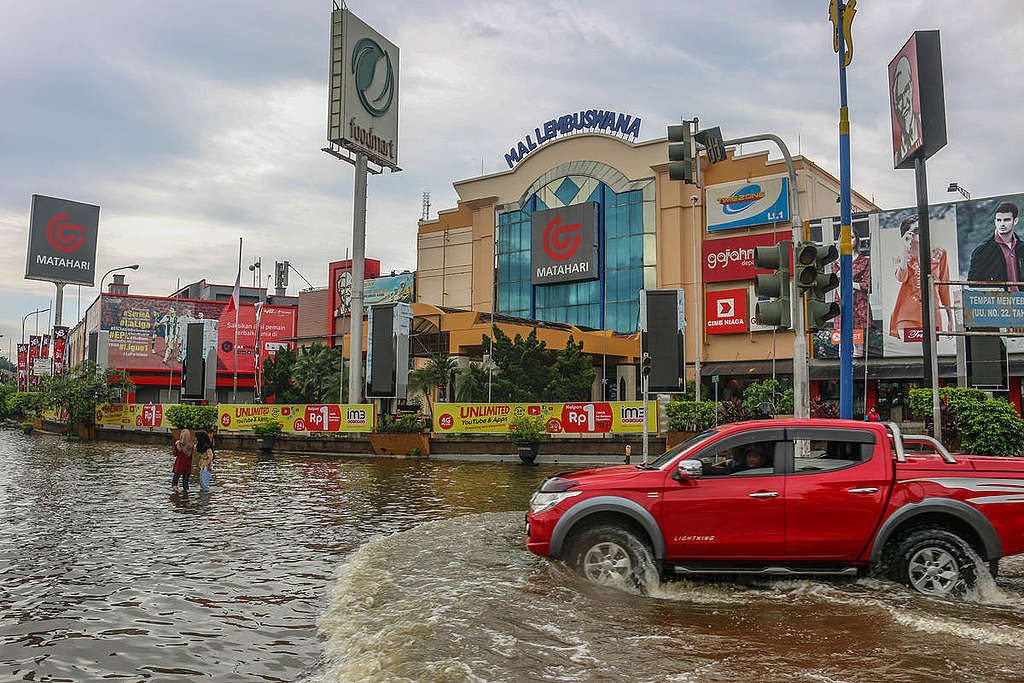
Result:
[360,569]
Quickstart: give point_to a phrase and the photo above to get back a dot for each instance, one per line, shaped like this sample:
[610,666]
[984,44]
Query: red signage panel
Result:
[733,259]
[726,311]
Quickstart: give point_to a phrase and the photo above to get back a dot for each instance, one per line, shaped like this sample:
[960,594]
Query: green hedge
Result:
[192,417]
[690,416]
[26,403]
[981,425]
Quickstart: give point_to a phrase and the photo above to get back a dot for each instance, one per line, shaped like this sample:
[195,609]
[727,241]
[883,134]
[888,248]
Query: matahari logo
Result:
[63,236]
[562,241]
[726,308]
[366,56]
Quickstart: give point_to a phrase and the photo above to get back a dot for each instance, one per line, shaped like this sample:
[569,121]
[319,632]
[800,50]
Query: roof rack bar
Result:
[939,448]
[897,440]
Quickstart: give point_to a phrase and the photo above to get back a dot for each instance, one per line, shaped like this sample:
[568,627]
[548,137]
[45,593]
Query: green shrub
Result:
[193,417]
[690,416]
[979,424]
[406,424]
[6,391]
[767,398]
[527,429]
[25,404]
[268,427]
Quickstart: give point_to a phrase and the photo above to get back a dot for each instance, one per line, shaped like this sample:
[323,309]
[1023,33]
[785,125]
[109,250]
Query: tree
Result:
[436,372]
[277,376]
[767,398]
[524,367]
[572,375]
[83,390]
[317,376]
[472,384]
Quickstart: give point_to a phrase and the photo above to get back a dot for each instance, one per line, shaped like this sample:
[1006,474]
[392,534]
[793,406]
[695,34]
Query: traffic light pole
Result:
[801,392]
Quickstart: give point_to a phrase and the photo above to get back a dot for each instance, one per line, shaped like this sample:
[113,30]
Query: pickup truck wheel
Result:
[611,555]
[935,562]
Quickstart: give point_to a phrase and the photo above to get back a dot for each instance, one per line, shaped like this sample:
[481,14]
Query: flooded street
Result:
[329,569]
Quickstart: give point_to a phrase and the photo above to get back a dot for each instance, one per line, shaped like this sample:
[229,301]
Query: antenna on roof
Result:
[426,206]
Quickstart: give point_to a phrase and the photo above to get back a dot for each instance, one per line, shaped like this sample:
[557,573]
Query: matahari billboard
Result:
[62,241]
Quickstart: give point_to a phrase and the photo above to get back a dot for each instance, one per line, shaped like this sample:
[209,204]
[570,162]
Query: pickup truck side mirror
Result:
[688,469]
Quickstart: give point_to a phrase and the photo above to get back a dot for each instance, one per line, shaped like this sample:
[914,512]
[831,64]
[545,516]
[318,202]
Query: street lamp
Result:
[25,317]
[134,266]
[954,187]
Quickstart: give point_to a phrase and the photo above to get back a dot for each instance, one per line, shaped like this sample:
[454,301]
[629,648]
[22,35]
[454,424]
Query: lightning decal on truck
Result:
[1009,486]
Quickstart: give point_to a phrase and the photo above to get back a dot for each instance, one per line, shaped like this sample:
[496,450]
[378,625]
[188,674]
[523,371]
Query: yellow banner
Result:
[133,415]
[620,417]
[331,417]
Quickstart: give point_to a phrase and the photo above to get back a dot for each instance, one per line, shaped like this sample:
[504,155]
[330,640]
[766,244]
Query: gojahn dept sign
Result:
[62,241]
[590,119]
[565,244]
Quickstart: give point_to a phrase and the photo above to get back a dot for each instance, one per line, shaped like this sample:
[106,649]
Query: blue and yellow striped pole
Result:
[843,12]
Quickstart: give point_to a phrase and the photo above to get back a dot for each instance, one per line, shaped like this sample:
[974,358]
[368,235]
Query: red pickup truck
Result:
[788,497]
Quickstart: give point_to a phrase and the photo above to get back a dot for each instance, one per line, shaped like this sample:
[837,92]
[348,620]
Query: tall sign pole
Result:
[362,129]
[918,110]
[841,14]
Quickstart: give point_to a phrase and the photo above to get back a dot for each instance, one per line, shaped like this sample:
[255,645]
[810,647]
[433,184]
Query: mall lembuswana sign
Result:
[592,120]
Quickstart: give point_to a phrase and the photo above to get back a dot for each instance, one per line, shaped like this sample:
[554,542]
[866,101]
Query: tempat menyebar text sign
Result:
[754,202]
[62,241]
[993,309]
[621,417]
[331,417]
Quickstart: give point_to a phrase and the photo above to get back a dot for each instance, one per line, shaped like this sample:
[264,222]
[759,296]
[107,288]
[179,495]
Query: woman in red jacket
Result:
[184,447]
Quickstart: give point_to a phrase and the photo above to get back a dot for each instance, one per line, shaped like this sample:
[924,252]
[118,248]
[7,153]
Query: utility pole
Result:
[801,398]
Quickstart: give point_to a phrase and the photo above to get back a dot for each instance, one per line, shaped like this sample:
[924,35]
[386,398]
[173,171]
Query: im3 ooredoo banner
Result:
[332,417]
[560,418]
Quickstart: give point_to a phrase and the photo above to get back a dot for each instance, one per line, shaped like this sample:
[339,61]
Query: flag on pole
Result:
[235,293]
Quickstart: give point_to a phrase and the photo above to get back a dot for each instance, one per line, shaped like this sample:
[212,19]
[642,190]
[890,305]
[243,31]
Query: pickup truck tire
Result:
[934,561]
[611,555]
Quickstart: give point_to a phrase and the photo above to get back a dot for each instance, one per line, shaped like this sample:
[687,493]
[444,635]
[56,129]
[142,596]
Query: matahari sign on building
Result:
[565,244]
[62,241]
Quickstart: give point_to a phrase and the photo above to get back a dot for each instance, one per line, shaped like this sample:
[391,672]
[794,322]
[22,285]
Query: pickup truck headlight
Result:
[541,502]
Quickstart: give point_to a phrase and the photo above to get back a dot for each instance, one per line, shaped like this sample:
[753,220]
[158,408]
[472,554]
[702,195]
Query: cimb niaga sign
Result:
[565,244]
[62,241]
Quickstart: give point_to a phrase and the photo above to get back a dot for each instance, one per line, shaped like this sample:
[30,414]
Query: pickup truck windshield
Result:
[679,448]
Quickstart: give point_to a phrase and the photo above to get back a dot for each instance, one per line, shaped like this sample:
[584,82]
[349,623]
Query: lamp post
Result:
[134,266]
[25,317]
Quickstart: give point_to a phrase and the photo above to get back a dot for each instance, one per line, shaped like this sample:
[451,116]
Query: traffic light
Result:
[774,286]
[810,261]
[681,153]
[645,364]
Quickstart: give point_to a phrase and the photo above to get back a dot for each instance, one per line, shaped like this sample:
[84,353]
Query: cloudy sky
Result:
[192,123]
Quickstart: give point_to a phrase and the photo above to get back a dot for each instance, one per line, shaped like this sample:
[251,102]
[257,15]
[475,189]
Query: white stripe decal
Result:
[1011,486]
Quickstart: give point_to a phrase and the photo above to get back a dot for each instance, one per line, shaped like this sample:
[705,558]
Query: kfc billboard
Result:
[733,259]
[916,102]
[726,311]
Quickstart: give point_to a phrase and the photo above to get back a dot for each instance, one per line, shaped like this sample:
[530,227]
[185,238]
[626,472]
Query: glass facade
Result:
[625,257]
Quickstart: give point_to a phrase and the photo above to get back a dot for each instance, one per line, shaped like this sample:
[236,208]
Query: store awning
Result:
[747,367]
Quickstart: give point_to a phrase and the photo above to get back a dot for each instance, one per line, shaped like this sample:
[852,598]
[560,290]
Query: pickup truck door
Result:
[837,484]
[732,511]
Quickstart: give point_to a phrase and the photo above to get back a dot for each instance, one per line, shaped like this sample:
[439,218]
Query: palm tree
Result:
[472,384]
[436,372]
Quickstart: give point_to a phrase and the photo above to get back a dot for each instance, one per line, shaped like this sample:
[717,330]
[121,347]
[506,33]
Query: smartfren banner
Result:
[62,241]
[565,244]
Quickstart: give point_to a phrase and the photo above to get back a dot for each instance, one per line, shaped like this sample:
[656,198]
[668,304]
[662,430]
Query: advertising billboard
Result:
[60,345]
[363,90]
[559,418]
[62,241]
[965,238]
[746,203]
[149,333]
[917,105]
[340,277]
[733,258]
[22,367]
[564,244]
[726,311]
[331,417]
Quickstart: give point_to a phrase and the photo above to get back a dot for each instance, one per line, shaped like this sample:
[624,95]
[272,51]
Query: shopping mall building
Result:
[481,257]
